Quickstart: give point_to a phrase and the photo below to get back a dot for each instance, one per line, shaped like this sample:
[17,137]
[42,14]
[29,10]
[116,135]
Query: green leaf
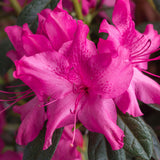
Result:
[34,150]
[137,140]
[155,106]
[100,149]
[157,4]
[116,155]
[156,144]
[97,147]
[5,62]
[29,13]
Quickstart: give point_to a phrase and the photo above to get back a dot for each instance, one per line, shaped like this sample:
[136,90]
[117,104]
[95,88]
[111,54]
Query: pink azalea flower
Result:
[138,46]
[21,2]
[65,147]
[63,69]
[30,128]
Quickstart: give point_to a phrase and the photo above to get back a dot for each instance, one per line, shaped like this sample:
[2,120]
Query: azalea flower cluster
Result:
[72,80]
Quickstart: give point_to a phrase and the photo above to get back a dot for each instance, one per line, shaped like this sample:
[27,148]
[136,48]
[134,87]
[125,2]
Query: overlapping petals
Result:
[68,77]
[139,47]
[124,34]
[65,147]
[53,30]
[77,82]
[94,106]
[28,129]
[44,74]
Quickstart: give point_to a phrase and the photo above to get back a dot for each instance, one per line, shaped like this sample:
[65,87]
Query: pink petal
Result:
[44,73]
[33,118]
[122,17]
[15,35]
[85,7]
[105,110]
[140,46]
[59,5]
[59,27]
[68,134]
[59,115]
[35,43]
[64,150]
[64,145]
[78,53]
[113,41]
[25,109]
[104,72]
[13,55]
[42,16]
[82,48]
[146,89]
[152,36]
[127,102]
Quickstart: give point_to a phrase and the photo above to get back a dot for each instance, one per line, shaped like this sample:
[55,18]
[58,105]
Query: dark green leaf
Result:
[157,4]
[52,4]
[116,155]
[97,147]
[34,150]
[137,140]
[154,106]
[29,13]
[156,144]
[103,35]
[5,62]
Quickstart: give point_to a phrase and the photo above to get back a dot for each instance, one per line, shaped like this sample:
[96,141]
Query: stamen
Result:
[13,98]
[20,85]
[142,50]
[149,53]
[49,103]
[146,60]
[138,39]
[151,73]
[135,42]
[24,96]
[14,92]
[6,100]
[75,115]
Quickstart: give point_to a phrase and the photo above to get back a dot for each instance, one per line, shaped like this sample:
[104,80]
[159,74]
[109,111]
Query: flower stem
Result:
[78,9]
[16,6]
